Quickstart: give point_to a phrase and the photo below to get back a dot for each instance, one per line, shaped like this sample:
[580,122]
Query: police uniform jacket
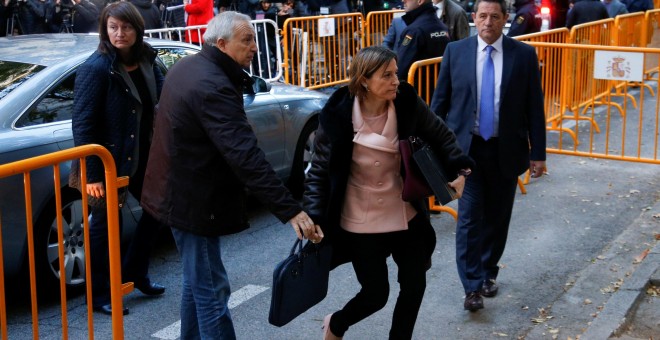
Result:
[527,20]
[204,153]
[424,37]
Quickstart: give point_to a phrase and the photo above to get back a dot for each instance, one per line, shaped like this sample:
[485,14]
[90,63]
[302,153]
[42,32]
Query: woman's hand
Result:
[96,190]
[458,184]
[311,231]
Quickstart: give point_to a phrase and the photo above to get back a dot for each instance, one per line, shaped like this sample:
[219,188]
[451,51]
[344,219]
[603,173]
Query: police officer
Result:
[424,37]
[527,20]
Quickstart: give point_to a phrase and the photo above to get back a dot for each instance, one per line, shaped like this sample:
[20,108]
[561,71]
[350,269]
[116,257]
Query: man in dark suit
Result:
[502,126]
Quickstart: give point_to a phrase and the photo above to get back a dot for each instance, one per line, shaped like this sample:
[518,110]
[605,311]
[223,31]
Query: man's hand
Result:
[311,231]
[96,190]
[536,168]
[458,184]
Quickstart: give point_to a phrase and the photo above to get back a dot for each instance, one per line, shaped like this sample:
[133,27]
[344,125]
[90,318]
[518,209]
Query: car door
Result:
[265,117]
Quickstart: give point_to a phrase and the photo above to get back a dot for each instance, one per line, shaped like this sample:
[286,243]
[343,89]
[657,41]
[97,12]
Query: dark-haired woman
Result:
[116,90]
[358,203]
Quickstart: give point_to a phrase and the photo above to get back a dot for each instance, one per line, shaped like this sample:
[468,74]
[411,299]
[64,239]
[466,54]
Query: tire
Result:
[46,244]
[303,157]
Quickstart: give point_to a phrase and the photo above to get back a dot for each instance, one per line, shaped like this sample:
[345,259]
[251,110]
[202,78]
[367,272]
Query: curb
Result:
[615,316]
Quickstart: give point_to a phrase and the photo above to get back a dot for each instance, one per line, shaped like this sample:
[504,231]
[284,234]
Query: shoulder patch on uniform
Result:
[520,20]
[406,40]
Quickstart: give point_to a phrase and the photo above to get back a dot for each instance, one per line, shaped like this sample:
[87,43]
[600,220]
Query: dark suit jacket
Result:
[521,116]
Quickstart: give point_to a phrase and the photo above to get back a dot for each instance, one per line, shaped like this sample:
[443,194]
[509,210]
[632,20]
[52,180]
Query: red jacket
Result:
[200,12]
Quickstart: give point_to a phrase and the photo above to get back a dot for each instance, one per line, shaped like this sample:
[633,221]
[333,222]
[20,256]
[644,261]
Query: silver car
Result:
[37,76]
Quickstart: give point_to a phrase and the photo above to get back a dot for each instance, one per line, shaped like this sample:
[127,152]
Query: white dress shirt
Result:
[439,6]
[498,60]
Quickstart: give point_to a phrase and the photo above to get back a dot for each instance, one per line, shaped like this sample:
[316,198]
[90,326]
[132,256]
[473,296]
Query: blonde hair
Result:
[366,62]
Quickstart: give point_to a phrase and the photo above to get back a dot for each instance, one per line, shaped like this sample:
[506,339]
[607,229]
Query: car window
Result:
[55,106]
[13,74]
[170,55]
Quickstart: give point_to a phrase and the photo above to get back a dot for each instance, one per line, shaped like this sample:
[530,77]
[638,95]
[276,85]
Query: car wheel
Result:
[302,161]
[47,244]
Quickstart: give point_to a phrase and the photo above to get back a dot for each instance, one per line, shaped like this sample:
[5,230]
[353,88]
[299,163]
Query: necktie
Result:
[487,104]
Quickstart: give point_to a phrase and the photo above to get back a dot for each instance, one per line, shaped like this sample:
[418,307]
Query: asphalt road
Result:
[560,230]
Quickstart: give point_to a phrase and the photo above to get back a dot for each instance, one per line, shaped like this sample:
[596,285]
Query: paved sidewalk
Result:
[623,309]
[634,311]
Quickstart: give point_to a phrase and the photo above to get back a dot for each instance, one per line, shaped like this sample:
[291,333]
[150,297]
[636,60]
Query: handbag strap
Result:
[298,244]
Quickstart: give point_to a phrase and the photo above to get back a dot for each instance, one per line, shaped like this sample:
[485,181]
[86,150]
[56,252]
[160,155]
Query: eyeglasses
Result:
[124,28]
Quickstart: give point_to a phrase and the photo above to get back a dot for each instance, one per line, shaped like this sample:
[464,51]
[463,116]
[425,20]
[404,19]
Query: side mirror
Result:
[260,85]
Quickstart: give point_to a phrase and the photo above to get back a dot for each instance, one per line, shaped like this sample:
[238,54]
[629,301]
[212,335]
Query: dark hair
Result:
[366,62]
[501,2]
[126,12]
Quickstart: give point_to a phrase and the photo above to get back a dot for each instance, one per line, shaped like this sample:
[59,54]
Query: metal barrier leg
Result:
[441,208]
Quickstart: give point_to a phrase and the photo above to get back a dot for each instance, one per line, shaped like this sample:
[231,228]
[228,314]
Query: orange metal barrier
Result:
[630,134]
[423,75]
[592,33]
[652,20]
[582,93]
[628,29]
[557,35]
[376,26]
[318,50]
[550,65]
[117,290]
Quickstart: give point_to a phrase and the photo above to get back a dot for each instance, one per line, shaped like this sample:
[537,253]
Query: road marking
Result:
[173,331]
[244,294]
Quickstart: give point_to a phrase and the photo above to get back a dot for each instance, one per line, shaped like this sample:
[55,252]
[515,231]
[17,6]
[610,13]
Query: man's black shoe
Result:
[107,309]
[150,288]
[489,288]
[473,302]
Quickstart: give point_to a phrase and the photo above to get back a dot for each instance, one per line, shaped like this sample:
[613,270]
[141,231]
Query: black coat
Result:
[150,13]
[325,186]
[85,17]
[35,16]
[105,106]
[585,11]
[204,153]
[424,37]
[527,20]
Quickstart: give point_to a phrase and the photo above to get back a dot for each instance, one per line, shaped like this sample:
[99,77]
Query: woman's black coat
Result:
[325,186]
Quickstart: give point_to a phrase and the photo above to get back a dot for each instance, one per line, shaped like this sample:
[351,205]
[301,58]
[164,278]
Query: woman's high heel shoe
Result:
[327,333]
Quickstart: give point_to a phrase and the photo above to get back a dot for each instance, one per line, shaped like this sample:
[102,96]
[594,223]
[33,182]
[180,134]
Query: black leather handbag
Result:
[299,282]
[423,173]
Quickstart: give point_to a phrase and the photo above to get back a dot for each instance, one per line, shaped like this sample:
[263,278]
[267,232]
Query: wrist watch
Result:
[464,172]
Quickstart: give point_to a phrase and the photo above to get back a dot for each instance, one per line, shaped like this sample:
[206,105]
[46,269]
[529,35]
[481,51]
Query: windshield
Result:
[13,74]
